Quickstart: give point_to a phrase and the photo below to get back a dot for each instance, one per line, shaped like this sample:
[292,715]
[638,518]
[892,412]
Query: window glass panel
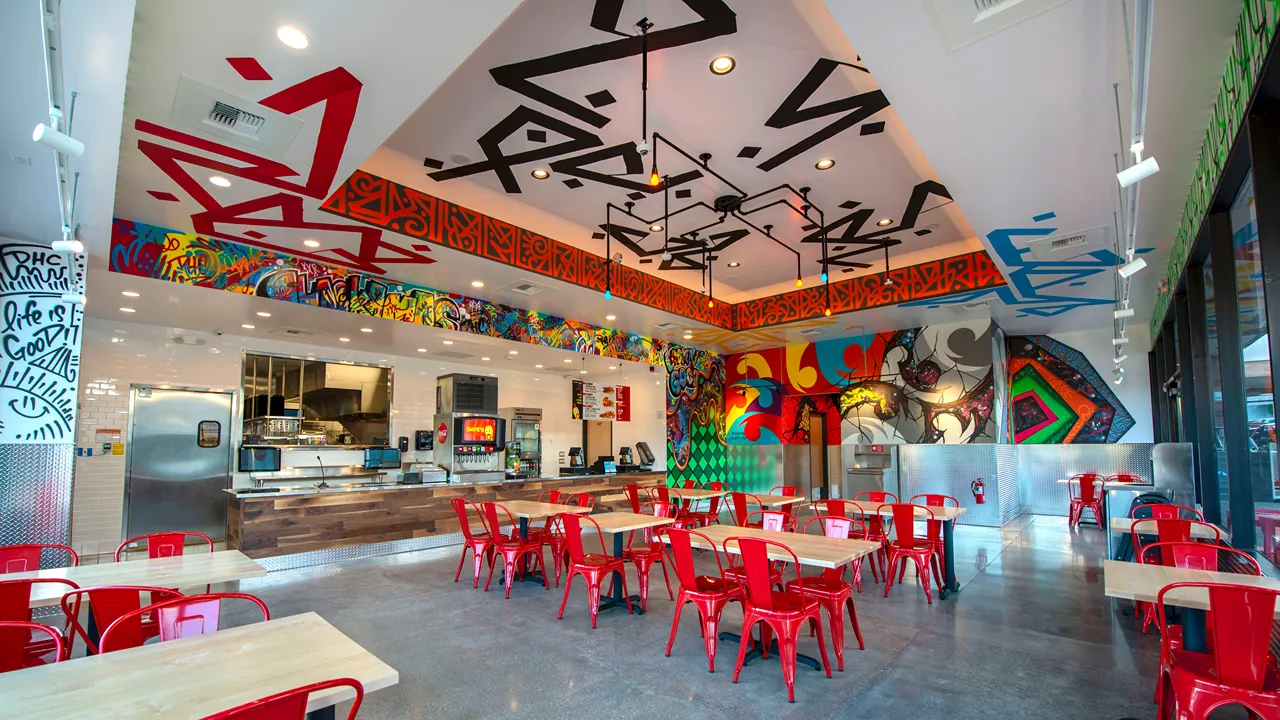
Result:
[1215,389]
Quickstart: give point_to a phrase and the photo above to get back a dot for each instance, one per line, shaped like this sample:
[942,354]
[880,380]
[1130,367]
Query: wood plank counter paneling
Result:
[264,526]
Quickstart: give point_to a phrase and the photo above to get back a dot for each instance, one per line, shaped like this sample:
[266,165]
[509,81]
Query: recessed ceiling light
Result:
[884,222]
[263,314]
[688,336]
[448,342]
[484,358]
[734,264]
[613,367]
[366,329]
[220,181]
[825,164]
[311,243]
[493,374]
[540,174]
[344,339]
[723,65]
[127,310]
[477,283]
[247,326]
[293,37]
[513,352]
[656,227]
[582,372]
[129,293]
[422,349]
[537,366]
[118,340]
[569,360]
[610,317]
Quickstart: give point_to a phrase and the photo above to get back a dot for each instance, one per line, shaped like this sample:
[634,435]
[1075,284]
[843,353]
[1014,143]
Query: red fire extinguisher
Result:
[979,491]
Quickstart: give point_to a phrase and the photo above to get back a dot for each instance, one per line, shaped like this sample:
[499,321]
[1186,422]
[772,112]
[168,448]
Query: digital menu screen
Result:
[479,430]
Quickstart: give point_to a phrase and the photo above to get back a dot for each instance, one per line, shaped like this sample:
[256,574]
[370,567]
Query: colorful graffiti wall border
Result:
[1057,397]
[695,378]
[389,205]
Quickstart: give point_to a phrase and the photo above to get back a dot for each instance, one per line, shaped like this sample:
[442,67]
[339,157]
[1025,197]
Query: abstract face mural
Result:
[923,385]
[1058,396]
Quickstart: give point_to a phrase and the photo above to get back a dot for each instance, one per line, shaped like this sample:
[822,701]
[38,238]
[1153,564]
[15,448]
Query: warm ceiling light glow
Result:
[476,284]
[344,339]
[723,65]
[293,37]
[654,179]
[129,293]
[311,243]
[263,314]
[884,222]
[582,372]
[127,310]
[513,352]
[366,329]
[247,326]
[656,227]
[568,360]
[613,367]
[799,282]
[688,336]
[825,164]
[220,181]
[540,174]
[422,349]
[537,366]
[734,264]
[610,317]
[448,342]
[827,312]
[484,358]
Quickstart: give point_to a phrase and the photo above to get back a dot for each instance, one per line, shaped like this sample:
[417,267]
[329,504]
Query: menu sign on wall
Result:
[593,401]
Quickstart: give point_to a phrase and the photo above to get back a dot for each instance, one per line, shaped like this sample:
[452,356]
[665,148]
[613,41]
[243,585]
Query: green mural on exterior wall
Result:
[1252,41]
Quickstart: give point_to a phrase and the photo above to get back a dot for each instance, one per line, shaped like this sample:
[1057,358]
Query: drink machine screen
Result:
[483,431]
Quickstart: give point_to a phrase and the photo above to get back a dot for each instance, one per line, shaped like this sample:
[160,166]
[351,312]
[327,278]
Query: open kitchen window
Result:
[296,401]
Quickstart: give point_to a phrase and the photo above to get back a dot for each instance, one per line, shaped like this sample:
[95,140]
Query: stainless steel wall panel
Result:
[949,470]
[1008,493]
[1040,467]
[35,494]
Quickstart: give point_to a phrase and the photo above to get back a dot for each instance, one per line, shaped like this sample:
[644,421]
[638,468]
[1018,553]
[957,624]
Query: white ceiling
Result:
[27,180]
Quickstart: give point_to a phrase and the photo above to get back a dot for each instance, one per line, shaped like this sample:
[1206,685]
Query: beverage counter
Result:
[303,520]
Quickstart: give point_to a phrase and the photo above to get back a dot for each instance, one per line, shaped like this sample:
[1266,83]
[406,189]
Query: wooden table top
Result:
[816,550]
[197,676]
[616,522]
[1132,581]
[182,571]
[530,510]
[939,513]
[773,501]
[1198,532]
[699,493]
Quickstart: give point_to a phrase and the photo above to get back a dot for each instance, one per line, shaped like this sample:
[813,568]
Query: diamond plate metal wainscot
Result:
[949,470]
[1008,490]
[1041,466]
[35,495]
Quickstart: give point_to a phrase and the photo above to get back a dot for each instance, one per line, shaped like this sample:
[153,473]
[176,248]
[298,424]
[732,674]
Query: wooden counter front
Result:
[265,526]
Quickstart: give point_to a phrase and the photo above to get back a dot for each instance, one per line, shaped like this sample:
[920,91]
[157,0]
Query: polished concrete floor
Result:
[1030,636]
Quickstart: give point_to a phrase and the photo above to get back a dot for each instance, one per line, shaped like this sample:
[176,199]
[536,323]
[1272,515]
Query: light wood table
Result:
[182,571]
[946,514]
[699,493]
[1142,582]
[527,510]
[1198,532]
[816,550]
[773,501]
[198,676]
[619,524]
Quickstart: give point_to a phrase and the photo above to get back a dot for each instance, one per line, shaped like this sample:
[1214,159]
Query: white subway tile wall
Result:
[118,354]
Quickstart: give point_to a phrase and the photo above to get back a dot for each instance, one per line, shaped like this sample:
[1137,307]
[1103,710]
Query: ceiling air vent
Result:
[811,331]
[668,326]
[964,22]
[452,355]
[243,122]
[188,339]
[526,287]
[1061,247]
[294,333]
[969,307]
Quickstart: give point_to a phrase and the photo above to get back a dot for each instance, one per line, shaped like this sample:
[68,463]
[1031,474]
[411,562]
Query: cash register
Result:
[577,465]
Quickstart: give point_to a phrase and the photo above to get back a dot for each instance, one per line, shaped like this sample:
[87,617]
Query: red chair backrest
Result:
[829,507]
[660,492]
[773,520]
[1195,556]
[1240,620]
[1086,488]
[785,490]
[290,704]
[633,497]
[165,544]
[464,521]
[26,558]
[1124,478]
[14,636]
[754,554]
[714,485]
[689,485]
[573,535]
[109,604]
[1165,510]
[554,497]
[904,520]
[15,606]
[658,509]
[682,554]
[738,506]
[586,500]
[875,496]
[489,513]
[934,500]
[180,617]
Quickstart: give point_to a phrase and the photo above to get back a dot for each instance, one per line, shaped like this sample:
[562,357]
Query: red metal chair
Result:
[877,528]
[290,704]
[633,497]
[586,500]
[16,637]
[26,557]
[773,520]
[651,552]
[834,506]
[906,545]
[479,543]
[553,497]
[830,588]
[1194,556]
[662,493]
[591,566]
[1124,478]
[781,613]
[703,518]
[109,604]
[1240,670]
[708,593]
[690,485]
[785,491]
[1171,529]
[738,509]
[935,526]
[181,617]
[1084,496]
[1165,510]
[165,544]
[512,548]
[15,606]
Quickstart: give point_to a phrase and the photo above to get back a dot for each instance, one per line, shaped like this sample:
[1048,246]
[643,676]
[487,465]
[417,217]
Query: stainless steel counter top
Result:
[252,493]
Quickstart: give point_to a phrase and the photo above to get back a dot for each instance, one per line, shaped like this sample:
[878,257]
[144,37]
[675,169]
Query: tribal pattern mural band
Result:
[1058,397]
[923,385]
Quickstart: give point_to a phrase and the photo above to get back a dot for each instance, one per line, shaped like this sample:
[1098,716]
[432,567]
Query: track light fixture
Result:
[1131,267]
[1120,341]
[58,141]
[1138,172]
[1121,359]
[1123,313]
[72,246]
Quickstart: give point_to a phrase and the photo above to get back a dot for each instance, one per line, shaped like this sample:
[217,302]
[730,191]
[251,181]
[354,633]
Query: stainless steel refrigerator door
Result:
[178,462]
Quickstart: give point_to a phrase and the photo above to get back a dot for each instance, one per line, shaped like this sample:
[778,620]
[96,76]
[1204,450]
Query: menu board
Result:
[593,401]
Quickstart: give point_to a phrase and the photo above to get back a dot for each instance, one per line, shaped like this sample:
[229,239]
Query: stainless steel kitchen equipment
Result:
[865,469]
[178,461]
[469,433]
[524,426]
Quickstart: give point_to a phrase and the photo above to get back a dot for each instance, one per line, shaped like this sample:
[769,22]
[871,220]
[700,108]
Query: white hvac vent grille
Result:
[811,331]
[1060,247]
[453,355]
[970,307]
[526,287]
[668,326]
[964,22]
[295,333]
[205,109]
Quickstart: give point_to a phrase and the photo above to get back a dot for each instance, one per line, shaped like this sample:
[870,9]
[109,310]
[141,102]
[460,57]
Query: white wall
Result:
[1135,391]
[145,354]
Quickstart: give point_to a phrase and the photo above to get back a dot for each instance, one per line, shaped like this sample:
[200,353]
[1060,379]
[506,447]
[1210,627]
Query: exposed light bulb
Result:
[608,295]
[827,312]
[824,276]
[799,282]
[654,179]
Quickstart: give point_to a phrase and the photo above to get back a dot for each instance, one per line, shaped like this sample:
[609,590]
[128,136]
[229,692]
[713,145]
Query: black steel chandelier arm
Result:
[793,191]
[630,214]
[769,235]
[705,166]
